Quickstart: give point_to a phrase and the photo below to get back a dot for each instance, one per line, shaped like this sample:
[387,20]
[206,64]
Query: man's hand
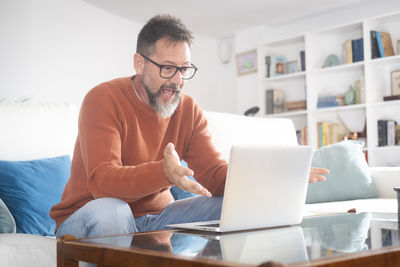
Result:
[176,173]
[316,175]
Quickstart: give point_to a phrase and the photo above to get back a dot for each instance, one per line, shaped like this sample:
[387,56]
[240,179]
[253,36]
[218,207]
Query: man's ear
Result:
[138,62]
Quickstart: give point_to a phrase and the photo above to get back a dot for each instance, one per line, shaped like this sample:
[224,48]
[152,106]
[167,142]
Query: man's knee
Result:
[106,216]
[109,211]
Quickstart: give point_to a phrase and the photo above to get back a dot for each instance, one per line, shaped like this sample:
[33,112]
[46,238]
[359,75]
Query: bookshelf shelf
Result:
[340,68]
[341,108]
[385,60]
[287,77]
[386,103]
[316,81]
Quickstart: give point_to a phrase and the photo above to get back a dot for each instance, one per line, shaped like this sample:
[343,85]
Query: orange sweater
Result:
[119,151]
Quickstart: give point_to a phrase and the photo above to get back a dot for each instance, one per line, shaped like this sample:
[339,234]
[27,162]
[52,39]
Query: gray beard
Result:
[165,110]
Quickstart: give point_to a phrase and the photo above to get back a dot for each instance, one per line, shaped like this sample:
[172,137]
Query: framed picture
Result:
[395,82]
[246,62]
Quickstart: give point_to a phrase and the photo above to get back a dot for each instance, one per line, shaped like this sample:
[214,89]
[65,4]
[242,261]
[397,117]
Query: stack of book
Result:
[302,136]
[353,50]
[275,101]
[387,130]
[329,133]
[328,101]
[381,44]
[296,105]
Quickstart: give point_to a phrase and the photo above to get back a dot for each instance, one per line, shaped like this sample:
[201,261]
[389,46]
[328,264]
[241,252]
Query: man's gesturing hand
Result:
[176,173]
[317,174]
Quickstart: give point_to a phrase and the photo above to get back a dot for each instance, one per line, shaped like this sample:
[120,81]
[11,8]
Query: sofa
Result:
[37,132]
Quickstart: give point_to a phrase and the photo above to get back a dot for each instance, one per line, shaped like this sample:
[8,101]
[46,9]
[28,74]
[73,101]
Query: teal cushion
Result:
[31,188]
[178,193]
[349,176]
[7,222]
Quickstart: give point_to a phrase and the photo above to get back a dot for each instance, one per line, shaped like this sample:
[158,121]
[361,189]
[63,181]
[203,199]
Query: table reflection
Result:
[284,245]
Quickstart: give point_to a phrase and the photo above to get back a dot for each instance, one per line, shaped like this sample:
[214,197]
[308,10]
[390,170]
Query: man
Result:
[132,134]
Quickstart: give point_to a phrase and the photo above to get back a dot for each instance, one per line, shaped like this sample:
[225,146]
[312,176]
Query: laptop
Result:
[266,186]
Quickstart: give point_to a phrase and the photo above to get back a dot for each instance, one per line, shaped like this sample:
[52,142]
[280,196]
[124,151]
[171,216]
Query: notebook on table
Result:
[266,186]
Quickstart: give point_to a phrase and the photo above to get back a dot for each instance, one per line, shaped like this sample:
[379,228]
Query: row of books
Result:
[302,136]
[329,133]
[388,133]
[353,50]
[381,44]
[279,65]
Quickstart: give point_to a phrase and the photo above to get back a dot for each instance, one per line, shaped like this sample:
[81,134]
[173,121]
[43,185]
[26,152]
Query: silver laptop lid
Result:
[266,186]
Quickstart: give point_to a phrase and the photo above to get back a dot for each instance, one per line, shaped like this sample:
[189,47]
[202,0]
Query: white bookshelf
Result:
[316,80]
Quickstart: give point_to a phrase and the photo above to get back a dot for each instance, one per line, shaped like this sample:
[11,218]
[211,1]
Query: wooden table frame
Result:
[70,251]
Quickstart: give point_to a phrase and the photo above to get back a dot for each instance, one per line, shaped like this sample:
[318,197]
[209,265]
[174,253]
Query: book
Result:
[349,51]
[382,132]
[275,101]
[267,65]
[269,101]
[357,91]
[279,101]
[327,101]
[295,105]
[302,57]
[374,46]
[304,135]
[380,44]
[387,44]
[277,66]
[391,140]
[391,97]
[362,89]
[357,49]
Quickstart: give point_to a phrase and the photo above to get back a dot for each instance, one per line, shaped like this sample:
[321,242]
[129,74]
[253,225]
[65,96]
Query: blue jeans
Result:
[111,216]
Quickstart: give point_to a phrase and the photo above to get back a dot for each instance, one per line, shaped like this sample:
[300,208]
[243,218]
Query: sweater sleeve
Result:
[202,157]
[100,136]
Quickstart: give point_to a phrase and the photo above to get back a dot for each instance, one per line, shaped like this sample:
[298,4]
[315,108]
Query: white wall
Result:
[54,50]
[58,50]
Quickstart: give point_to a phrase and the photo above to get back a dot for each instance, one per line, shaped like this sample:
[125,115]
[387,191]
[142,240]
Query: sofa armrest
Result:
[384,179]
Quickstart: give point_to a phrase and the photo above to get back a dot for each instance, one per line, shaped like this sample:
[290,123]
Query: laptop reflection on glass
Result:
[266,186]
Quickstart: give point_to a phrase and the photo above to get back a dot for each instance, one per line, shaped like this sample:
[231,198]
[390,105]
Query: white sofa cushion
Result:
[25,250]
[36,130]
[228,129]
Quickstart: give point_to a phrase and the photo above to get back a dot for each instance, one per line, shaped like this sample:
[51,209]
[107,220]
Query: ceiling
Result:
[222,18]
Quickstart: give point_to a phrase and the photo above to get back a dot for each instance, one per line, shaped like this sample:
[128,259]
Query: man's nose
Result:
[177,78]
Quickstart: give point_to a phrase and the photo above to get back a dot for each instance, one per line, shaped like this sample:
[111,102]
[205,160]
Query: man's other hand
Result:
[316,174]
[176,173]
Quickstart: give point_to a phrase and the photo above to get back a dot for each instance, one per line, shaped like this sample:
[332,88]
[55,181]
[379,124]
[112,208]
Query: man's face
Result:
[164,93]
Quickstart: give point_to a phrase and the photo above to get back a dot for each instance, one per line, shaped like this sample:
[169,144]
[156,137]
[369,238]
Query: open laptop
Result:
[266,186]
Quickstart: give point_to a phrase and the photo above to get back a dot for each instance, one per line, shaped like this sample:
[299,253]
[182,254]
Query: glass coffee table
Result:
[351,239]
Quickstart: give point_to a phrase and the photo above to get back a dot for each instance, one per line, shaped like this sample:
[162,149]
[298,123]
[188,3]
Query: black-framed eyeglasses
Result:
[169,71]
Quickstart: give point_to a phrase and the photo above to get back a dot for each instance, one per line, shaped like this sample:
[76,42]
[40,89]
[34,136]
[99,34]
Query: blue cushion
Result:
[7,222]
[31,188]
[349,177]
[178,193]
